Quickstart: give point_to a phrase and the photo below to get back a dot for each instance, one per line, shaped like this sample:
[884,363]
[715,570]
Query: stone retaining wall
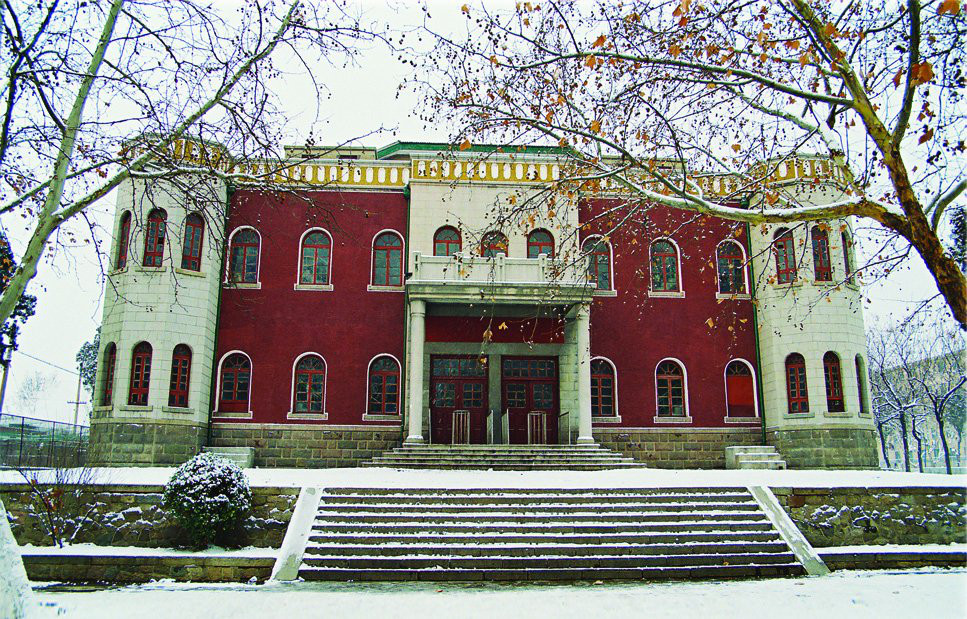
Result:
[684,448]
[306,446]
[125,570]
[848,516]
[833,448]
[133,516]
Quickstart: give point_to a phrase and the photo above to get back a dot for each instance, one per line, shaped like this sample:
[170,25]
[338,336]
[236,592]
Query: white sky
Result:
[359,97]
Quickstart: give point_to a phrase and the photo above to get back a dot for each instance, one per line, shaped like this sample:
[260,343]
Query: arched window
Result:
[834,383]
[243,264]
[796,392]
[191,249]
[314,266]
[664,267]
[731,268]
[492,244]
[739,390]
[821,263]
[540,242]
[599,262]
[785,251]
[124,236]
[861,386]
[110,361]
[384,387]
[603,401]
[140,375]
[310,385]
[847,256]
[234,384]
[154,238]
[446,241]
[180,376]
[670,389]
[388,260]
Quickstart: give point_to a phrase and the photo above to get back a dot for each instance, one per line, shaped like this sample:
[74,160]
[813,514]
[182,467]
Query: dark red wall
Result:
[348,326]
[503,330]
[635,331]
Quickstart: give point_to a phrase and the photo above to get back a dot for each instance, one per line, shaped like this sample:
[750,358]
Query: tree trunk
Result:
[943,443]
[16,597]
[886,458]
[906,442]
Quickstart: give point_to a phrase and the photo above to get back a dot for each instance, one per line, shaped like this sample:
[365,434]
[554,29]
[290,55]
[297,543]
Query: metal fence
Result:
[39,443]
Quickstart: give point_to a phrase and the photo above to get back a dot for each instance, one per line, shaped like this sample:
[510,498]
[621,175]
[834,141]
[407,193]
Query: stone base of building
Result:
[833,448]
[150,443]
[679,448]
[307,446]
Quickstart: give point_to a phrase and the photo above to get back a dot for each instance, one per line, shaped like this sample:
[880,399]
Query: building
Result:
[378,299]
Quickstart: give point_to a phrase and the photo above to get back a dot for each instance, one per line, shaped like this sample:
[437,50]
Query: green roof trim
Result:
[442,147]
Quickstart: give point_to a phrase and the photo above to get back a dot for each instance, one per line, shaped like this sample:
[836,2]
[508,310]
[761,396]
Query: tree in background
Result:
[648,99]
[31,391]
[23,309]
[87,362]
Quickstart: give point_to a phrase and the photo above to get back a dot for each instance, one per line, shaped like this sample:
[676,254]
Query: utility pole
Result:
[77,399]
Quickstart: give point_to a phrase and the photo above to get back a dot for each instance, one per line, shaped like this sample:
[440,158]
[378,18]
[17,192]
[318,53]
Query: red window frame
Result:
[833,376]
[315,264]
[784,248]
[180,376]
[447,245]
[110,362]
[539,242]
[670,378]
[731,268]
[388,247]
[603,384]
[154,238]
[822,265]
[245,245]
[124,237]
[797,392]
[664,267]
[309,385]
[234,384]
[383,392]
[191,246]
[599,262]
[140,383]
[492,244]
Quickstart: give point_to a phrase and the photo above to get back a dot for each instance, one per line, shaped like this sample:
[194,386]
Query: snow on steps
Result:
[542,534]
[503,457]
[753,457]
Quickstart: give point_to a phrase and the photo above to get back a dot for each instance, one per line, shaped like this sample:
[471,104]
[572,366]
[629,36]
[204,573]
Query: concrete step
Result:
[538,549]
[320,527]
[243,457]
[548,490]
[503,457]
[541,537]
[541,508]
[370,517]
[749,457]
[532,499]
[761,464]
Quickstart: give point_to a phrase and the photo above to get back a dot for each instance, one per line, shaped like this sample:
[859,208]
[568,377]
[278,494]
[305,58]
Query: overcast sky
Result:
[358,99]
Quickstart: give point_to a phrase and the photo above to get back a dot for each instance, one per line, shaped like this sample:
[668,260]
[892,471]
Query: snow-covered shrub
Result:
[209,497]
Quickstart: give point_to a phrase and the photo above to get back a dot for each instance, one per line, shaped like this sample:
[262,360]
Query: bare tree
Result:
[31,390]
[660,101]
[97,93]
[894,404]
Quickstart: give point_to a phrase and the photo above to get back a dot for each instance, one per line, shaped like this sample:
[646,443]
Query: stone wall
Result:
[702,448]
[133,516]
[118,570]
[876,516]
[306,446]
[144,444]
[833,448]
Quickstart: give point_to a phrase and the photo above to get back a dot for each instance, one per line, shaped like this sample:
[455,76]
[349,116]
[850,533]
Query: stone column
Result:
[584,375]
[414,387]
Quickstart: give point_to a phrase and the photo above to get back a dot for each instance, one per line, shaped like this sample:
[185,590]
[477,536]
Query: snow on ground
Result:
[839,550]
[249,552]
[877,594]
[619,478]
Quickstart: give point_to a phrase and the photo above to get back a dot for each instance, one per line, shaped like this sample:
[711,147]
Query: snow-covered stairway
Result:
[504,457]
[542,534]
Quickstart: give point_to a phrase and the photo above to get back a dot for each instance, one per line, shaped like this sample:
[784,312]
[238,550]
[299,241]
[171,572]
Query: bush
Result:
[209,497]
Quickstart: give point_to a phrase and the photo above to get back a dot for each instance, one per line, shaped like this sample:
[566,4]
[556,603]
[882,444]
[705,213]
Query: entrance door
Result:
[529,386]
[458,404]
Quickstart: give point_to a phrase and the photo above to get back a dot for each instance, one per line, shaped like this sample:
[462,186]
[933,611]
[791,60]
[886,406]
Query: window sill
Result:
[103,408]
[242,286]
[837,414]
[809,415]
[686,419]
[226,415]
[372,288]
[145,269]
[742,420]
[733,297]
[660,294]
[189,272]
[181,410]
[605,293]
[368,417]
[793,284]
[603,419]
[132,408]
[823,283]
[123,269]
[312,416]
[316,287]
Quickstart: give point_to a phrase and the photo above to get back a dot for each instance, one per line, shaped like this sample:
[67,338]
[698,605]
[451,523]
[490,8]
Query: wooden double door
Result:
[458,400]
[529,387]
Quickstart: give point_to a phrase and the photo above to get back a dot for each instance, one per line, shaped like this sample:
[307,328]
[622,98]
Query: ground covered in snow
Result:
[879,594]
[141,551]
[627,478]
